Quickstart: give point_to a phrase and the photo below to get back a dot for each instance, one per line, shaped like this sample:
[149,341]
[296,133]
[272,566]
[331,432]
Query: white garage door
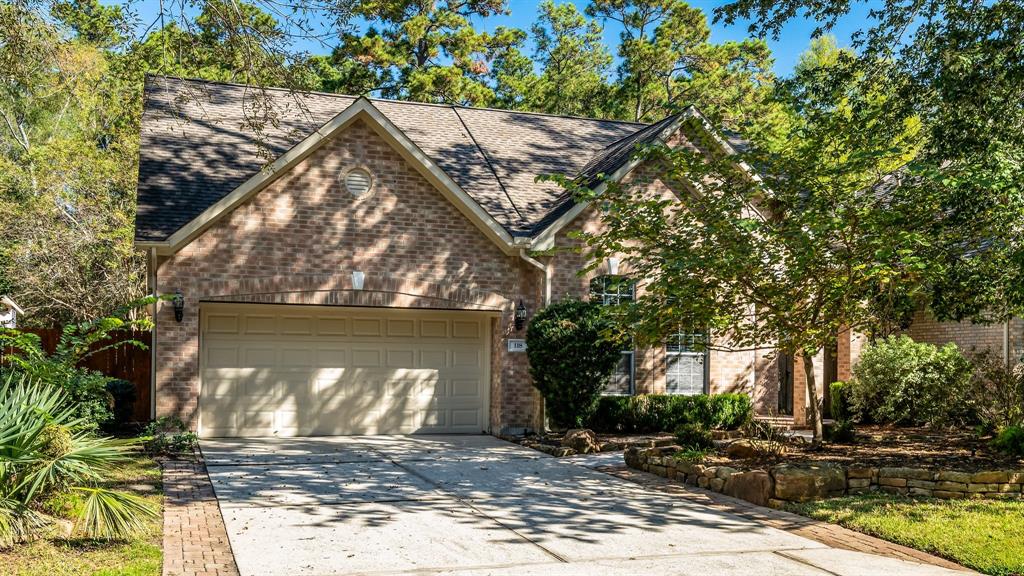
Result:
[302,370]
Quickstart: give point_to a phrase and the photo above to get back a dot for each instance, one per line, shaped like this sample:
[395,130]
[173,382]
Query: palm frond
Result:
[18,523]
[112,515]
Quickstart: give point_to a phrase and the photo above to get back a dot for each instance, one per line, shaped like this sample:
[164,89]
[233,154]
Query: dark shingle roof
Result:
[196,148]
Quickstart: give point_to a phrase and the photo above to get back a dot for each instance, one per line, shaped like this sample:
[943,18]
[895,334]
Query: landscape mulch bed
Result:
[905,447]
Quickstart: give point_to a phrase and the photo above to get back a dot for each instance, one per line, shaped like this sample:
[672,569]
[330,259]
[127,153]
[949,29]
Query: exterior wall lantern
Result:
[613,265]
[520,316]
[357,280]
[179,305]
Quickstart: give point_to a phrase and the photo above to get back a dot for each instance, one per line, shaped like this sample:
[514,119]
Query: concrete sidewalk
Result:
[478,505]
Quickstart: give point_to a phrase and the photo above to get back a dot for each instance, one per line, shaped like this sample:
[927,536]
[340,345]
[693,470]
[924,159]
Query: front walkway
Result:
[472,505]
[195,542]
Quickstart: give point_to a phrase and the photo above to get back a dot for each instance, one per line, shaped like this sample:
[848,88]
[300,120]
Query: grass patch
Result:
[141,556]
[986,535]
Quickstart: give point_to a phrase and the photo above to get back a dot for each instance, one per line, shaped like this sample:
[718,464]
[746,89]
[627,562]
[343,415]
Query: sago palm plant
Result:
[44,451]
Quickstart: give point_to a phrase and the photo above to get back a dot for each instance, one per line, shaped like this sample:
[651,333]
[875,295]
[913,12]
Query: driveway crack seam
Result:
[469,504]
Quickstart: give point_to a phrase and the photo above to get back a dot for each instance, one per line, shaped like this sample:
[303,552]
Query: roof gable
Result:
[195,150]
[361,109]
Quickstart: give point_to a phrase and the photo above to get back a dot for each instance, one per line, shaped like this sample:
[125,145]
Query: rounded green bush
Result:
[571,359]
[899,381]
[694,436]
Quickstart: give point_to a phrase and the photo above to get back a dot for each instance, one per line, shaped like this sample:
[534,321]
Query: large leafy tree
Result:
[422,50]
[573,59]
[668,61]
[959,67]
[66,176]
[814,242]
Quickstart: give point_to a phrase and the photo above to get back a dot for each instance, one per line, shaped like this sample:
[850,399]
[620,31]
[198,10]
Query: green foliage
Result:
[86,389]
[984,535]
[841,432]
[46,450]
[839,396]
[694,436]
[957,66]
[998,390]
[667,62]
[571,359]
[660,413]
[1010,440]
[168,435]
[899,381]
[693,454]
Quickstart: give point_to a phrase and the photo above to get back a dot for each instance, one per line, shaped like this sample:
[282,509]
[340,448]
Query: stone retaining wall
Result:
[802,483]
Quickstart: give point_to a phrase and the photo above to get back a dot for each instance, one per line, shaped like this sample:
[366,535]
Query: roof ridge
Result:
[487,160]
[395,101]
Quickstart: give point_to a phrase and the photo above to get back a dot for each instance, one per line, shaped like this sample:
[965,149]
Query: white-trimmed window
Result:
[612,291]
[686,363]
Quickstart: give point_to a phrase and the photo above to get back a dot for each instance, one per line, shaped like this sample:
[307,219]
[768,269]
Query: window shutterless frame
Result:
[687,363]
[612,291]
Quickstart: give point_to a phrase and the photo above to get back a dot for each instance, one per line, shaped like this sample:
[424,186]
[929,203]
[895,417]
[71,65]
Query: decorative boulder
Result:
[741,450]
[806,483]
[582,440]
[632,457]
[753,486]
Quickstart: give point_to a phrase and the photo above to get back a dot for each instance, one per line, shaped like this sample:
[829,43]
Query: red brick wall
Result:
[298,240]
[968,336]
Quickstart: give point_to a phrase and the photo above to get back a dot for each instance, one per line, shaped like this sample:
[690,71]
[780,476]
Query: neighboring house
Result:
[368,279]
[9,312]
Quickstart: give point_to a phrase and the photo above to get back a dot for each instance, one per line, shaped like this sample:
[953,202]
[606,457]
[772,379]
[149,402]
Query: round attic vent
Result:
[358,182]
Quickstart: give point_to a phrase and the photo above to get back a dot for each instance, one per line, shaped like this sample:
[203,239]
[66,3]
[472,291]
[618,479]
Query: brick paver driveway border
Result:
[195,540]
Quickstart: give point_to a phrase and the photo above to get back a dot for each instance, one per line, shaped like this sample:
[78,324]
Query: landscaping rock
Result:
[582,440]
[610,446]
[954,476]
[724,472]
[803,484]
[891,482]
[742,449]
[906,473]
[754,486]
[632,457]
[702,481]
[858,482]
[716,484]
[947,494]
[951,486]
[860,472]
[991,477]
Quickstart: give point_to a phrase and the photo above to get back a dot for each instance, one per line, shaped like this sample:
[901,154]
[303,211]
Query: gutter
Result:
[1006,342]
[151,265]
[546,269]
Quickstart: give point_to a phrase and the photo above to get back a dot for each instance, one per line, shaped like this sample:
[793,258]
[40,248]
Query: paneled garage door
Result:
[306,370]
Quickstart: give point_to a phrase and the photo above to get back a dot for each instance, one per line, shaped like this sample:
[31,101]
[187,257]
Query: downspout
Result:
[546,269]
[151,265]
[543,268]
[1006,342]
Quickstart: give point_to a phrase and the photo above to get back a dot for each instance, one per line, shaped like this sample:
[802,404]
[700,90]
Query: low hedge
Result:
[665,413]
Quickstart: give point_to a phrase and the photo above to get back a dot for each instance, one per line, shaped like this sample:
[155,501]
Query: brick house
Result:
[359,269]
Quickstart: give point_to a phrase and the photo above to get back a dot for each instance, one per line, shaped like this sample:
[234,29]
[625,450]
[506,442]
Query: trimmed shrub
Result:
[1011,441]
[661,412]
[168,435]
[998,391]
[839,398]
[899,381]
[571,359]
[694,436]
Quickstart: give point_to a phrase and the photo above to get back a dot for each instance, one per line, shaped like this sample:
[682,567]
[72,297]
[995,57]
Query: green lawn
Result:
[986,535]
[139,557]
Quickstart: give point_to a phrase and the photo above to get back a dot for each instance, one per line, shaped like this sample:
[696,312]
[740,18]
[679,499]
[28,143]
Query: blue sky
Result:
[794,39]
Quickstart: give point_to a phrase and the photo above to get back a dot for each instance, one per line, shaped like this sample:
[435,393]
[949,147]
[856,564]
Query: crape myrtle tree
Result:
[787,243]
[959,67]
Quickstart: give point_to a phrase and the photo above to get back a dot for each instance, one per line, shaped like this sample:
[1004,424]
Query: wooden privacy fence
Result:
[125,362]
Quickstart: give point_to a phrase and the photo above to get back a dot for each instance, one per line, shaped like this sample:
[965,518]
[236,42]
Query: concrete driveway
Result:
[474,505]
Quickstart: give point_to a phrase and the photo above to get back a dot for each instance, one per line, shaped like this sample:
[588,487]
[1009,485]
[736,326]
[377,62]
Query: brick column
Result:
[799,393]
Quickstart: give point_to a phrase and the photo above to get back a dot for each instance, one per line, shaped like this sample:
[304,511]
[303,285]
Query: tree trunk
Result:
[814,404]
